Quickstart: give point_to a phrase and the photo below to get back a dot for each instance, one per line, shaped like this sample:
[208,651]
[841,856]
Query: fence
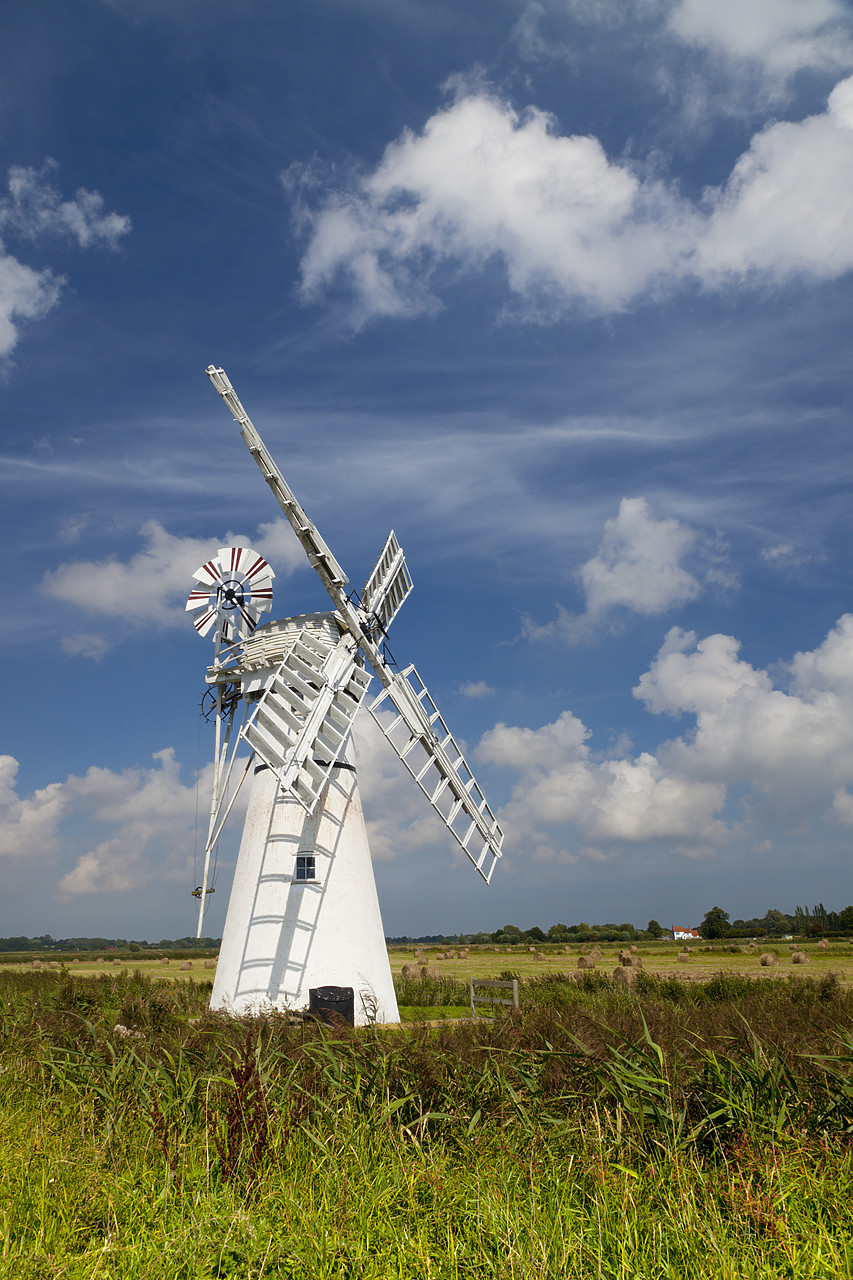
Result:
[474,983]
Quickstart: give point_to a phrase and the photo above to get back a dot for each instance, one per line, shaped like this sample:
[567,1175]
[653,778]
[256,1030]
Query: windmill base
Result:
[285,935]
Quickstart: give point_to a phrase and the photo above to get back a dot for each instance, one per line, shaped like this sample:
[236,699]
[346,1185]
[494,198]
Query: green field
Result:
[676,1129]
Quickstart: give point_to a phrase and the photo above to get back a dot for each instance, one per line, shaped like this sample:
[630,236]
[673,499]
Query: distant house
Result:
[683,935]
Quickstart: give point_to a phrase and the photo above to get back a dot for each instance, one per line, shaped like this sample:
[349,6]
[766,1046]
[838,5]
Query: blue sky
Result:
[561,292]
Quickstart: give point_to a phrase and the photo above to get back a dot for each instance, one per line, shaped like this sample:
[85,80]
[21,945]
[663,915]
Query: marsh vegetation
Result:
[673,1129]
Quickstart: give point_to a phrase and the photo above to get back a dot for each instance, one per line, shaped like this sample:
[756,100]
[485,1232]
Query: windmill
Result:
[303,911]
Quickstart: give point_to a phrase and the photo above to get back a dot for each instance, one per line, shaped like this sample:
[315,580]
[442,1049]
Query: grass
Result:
[679,1130]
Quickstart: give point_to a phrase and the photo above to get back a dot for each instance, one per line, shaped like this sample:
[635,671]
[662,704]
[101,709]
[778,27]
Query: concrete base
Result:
[284,936]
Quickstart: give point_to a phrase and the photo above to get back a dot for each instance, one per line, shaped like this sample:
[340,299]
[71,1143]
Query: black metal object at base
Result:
[326,1003]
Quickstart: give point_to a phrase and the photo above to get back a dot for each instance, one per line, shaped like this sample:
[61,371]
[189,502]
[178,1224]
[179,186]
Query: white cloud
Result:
[24,295]
[150,589]
[784,755]
[28,827]
[86,645]
[781,35]
[135,825]
[562,785]
[570,226]
[148,807]
[788,744]
[787,208]
[638,567]
[33,209]
[639,563]
[476,689]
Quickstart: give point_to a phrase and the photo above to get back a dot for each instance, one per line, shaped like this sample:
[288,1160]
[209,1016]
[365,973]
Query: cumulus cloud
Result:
[568,225]
[781,35]
[34,209]
[788,743]
[139,824]
[637,567]
[150,589]
[769,749]
[476,689]
[28,827]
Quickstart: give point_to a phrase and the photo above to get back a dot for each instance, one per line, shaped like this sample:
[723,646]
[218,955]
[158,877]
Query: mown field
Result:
[675,1129]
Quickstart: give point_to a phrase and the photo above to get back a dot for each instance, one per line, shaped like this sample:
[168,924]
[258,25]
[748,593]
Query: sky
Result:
[560,291]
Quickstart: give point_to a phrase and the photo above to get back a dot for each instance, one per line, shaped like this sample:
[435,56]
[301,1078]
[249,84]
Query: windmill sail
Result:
[388,585]
[303,719]
[423,742]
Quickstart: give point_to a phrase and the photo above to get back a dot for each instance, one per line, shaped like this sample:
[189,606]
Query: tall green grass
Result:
[672,1131]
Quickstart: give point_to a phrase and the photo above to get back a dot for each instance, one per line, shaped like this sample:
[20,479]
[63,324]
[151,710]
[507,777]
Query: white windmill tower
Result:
[303,911]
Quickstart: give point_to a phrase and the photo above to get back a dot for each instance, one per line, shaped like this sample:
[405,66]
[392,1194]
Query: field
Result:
[680,1128]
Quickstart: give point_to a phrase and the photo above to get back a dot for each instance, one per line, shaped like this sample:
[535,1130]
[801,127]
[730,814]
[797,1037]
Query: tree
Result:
[536,935]
[776,922]
[715,923]
[654,930]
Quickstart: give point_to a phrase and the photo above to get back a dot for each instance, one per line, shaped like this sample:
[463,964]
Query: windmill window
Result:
[306,867]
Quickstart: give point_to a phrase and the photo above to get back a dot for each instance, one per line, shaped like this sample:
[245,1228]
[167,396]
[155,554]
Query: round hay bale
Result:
[37,964]
[768,958]
[431,971]
[625,957]
[586,962]
[683,957]
[185,965]
[626,975]
[116,960]
[635,950]
[53,964]
[800,957]
[210,964]
[407,971]
[822,945]
[166,961]
[538,955]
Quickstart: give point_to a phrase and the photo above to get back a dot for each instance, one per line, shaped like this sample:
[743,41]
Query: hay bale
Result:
[463,954]
[538,955]
[768,958]
[116,960]
[408,971]
[210,964]
[625,956]
[800,957]
[37,964]
[53,964]
[822,945]
[185,965]
[431,971]
[683,957]
[626,975]
[166,961]
[635,950]
[586,962]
